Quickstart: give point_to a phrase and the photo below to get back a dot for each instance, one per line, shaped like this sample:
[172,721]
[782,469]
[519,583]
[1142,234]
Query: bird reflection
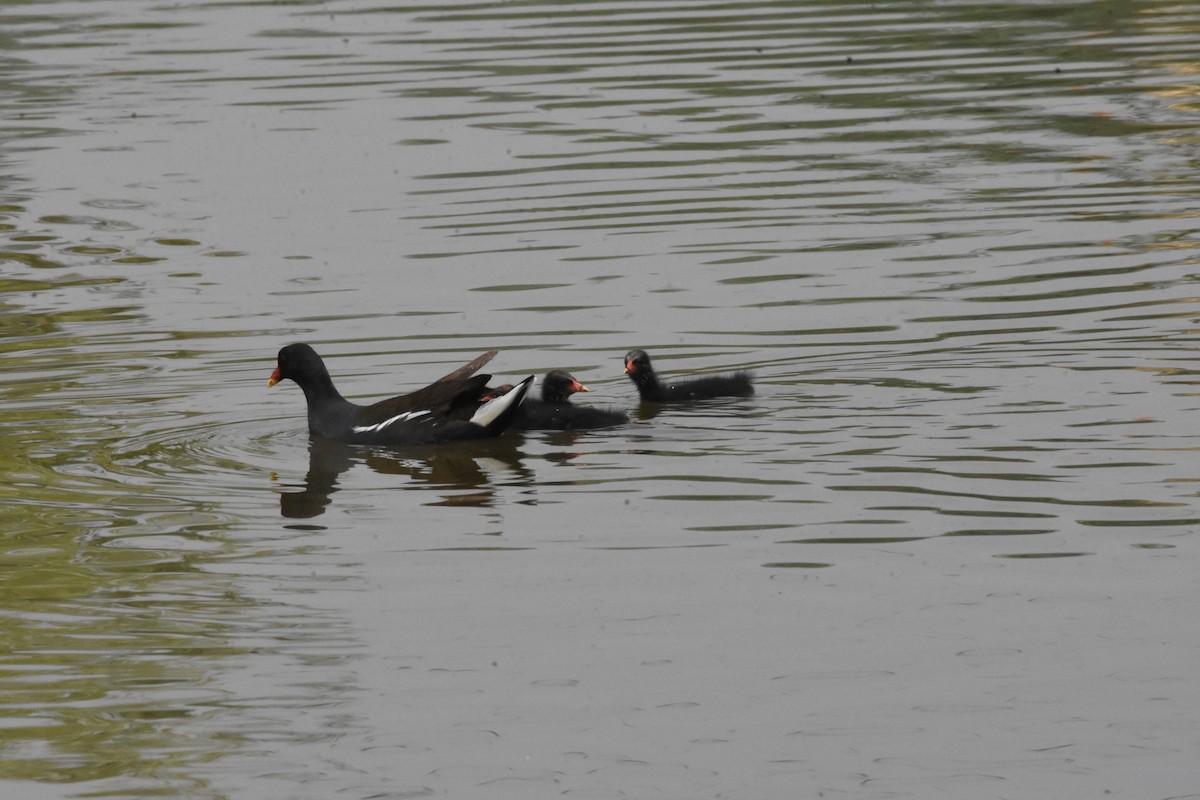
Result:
[646,411]
[465,466]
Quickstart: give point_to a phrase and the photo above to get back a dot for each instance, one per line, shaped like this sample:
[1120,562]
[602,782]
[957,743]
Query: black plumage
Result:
[555,411]
[650,387]
[448,409]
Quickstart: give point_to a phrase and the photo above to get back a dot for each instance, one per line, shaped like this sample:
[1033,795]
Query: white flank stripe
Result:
[407,415]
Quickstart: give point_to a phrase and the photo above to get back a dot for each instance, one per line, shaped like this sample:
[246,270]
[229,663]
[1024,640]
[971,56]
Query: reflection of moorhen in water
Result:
[326,461]
[448,409]
[555,411]
[650,387]
[465,468]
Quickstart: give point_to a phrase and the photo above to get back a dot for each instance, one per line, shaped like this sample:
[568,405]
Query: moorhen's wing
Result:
[468,369]
[437,400]
[452,390]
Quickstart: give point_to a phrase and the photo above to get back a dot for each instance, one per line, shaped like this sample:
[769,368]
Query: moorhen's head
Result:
[637,363]
[300,363]
[558,385]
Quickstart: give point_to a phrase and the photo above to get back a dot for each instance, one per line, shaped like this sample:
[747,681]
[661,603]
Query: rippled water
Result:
[947,549]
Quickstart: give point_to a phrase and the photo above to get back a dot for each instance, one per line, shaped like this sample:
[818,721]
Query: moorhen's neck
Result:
[328,411]
[318,386]
[646,381]
[319,390]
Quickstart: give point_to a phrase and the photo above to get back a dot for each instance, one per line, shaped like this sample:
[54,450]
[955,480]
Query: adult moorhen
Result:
[637,367]
[555,411]
[446,410]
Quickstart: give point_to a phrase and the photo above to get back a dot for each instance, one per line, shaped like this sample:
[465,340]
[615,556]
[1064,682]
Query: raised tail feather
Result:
[495,415]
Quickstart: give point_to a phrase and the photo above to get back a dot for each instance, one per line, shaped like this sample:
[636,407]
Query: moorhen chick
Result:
[446,410]
[637,367]
[555,411]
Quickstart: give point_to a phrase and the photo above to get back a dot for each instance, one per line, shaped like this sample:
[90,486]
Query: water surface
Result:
[946,550]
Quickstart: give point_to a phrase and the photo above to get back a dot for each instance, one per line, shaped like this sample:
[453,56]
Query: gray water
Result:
[948,549]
